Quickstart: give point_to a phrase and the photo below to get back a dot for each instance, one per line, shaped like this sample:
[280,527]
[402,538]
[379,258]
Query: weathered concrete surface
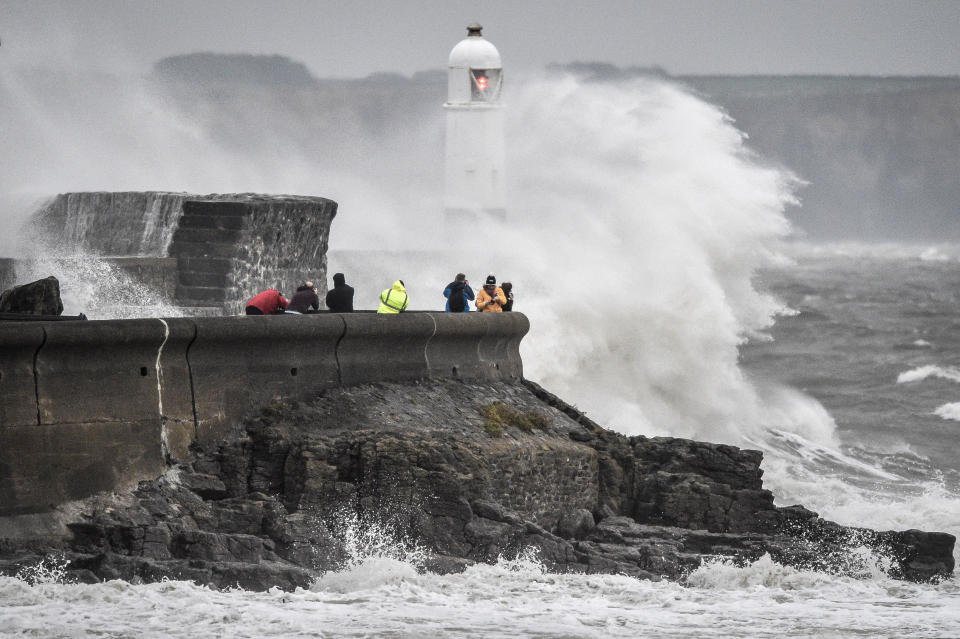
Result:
[239,363]
[378,347]
[99,372]
[183,380]
[158,274]
[7,273]
[230,247]
[41,297]
[272,506]
[121,223]
[19,344]
[173,372]
[47,465]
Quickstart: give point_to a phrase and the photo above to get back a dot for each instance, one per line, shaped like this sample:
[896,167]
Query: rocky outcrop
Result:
[41,297]
[469,472]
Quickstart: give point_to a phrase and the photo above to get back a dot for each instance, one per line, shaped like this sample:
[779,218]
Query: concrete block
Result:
[454,348]
[500,347]
[99,371]
[175,403]
[43,466]
[19,344]
[380,347]
[244,362]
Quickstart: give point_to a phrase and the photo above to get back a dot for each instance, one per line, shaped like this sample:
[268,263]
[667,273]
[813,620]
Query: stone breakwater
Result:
[466,471]
[203,251]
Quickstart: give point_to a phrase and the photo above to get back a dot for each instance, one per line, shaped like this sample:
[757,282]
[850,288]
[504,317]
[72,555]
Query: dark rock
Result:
[277,504]
[36,298]
[207,486]
[576,524]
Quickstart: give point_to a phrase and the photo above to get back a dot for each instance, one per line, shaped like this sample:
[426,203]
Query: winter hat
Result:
[491,281]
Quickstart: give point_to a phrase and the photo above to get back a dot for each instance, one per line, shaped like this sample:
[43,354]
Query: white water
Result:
[377,596]
[97,288]
[645,217]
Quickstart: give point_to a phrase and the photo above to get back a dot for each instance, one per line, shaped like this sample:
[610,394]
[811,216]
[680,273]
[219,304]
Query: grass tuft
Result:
[499,416]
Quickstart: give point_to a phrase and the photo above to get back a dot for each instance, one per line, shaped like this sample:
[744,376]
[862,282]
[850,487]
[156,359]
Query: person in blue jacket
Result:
[458,294]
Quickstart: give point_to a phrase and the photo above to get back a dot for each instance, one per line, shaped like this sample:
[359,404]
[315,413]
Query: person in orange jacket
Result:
[491,298]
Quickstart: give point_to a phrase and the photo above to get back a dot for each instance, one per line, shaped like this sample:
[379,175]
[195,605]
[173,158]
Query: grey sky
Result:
[356,37]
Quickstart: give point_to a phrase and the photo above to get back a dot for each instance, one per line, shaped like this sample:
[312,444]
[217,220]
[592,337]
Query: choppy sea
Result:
[871,334]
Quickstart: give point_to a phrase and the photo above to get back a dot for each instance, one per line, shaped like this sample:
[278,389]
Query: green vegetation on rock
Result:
[500,416]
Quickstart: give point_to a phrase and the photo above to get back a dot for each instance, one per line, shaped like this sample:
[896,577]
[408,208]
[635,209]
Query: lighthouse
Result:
[474,190]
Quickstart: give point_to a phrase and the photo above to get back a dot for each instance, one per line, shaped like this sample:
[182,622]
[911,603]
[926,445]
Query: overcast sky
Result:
[353,38]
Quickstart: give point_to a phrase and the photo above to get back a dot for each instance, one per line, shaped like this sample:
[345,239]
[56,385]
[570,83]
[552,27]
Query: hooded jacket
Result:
[340,297]
[394,300]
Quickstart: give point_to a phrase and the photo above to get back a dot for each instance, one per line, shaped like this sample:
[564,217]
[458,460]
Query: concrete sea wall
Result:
[100,405]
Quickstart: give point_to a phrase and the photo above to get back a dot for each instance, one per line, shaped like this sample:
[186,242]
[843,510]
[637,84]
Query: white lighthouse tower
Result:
[474,152]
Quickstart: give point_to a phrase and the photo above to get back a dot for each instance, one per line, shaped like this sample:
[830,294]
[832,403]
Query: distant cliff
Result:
[882,155]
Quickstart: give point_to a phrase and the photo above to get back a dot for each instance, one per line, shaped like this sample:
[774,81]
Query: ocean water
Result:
[872,339]
[650,248]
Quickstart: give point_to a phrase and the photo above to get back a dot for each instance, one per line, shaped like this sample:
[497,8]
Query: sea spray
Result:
[93,286]
[374,553]
[52,569]
[641,218]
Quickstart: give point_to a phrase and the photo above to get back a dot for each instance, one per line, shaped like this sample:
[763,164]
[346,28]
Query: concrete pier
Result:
[100,405]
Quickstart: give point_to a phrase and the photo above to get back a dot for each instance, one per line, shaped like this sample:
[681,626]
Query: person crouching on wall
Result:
[305,300]
[268,302]
[394,300]
[491,298]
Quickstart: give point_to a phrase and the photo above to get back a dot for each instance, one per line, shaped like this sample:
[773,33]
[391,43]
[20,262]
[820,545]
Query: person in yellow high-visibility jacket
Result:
[394,299]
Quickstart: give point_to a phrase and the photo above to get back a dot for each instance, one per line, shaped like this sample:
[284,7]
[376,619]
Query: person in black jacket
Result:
[340,297]
[507,288]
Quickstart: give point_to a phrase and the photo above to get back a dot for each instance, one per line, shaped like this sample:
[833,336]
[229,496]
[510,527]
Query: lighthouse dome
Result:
[474,52]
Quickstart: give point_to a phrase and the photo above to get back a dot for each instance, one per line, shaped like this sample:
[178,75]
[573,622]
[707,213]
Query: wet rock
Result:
[576,524]
[207,486]
[41,297]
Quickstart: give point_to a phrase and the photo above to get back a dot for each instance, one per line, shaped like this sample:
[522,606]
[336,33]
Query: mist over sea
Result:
[668,295]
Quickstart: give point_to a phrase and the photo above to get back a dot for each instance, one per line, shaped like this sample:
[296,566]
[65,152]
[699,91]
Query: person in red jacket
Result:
[266,303]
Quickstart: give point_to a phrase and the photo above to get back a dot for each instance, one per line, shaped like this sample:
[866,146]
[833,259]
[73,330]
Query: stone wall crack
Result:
[193,393]
[426,346]
[336,351]
[164,444]
[36,376]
